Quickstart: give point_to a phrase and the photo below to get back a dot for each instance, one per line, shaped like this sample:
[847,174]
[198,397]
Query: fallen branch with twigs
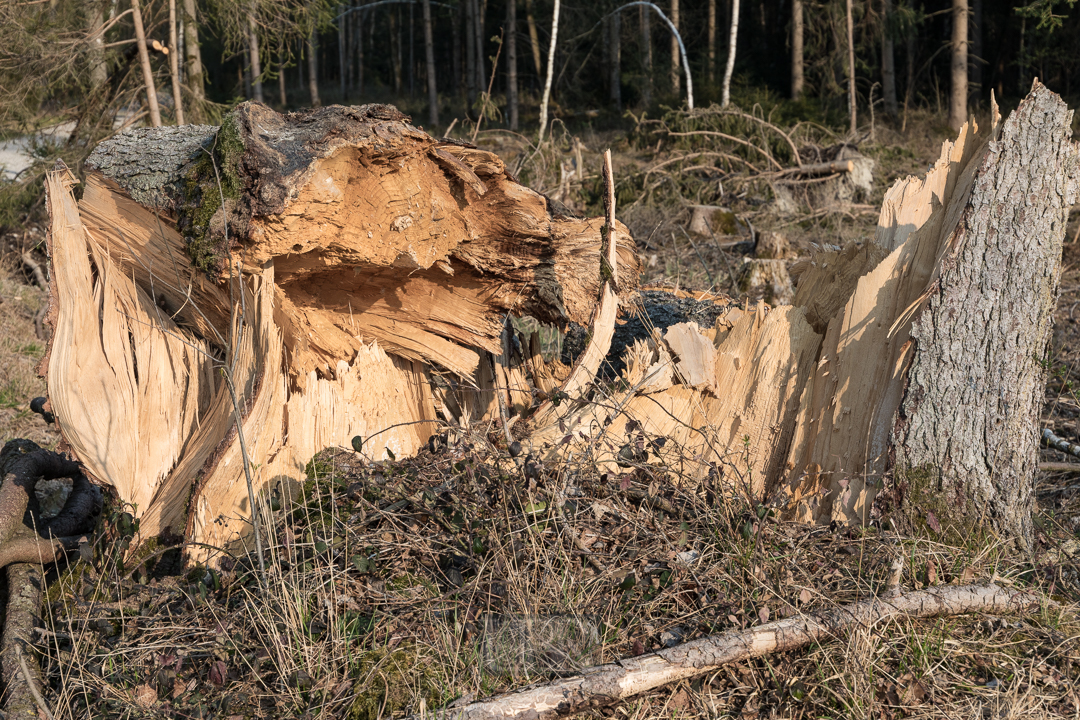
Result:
[608,684]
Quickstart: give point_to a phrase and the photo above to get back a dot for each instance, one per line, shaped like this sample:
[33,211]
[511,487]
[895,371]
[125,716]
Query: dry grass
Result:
[382,580]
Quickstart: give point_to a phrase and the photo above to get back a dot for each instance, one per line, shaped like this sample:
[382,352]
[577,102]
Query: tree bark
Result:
[144,63]
[193,58]
[646,45]
[966,436]
[534,39]
[429,54]
[615,61]
[343,54]
[511,64]
[255,60]
[711,41]
[174,64]
[976,57]
[888,61]
[959,75]
[95,21]
[853,126]
[732,43]
[796,49]
[313,70]
[282,97]
[674,77]
[472,88]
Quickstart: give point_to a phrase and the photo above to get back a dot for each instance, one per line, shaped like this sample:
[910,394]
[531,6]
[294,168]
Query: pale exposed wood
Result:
[840,452]
[696,365]
[608,684]
[127,386]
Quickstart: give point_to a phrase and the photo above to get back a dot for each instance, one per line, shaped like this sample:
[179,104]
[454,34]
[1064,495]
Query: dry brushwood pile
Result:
[226,302]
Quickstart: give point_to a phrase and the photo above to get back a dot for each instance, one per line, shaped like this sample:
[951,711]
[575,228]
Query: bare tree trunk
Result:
[193,59]
[253,52]
[471,86]
[615,60]
[534,39]
[976,55]
[646,43]
[675,77]
[429,50]
[144,62]
[711,39]
[959,90]
[851,67]
[888,61]
[511,63]
[456,64]
[550,71]
[395,39]
[343,54]
[360,52]
[282,98]
[412,50]
[732,44]
[174,64]
[313,70]
[95,19]
[478,28]
[796,49]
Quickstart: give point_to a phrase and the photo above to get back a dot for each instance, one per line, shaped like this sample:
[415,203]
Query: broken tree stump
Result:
[351,276]
[330,263]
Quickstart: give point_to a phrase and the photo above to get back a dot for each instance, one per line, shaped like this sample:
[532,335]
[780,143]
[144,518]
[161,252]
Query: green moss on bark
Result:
[924,495]
[212,179]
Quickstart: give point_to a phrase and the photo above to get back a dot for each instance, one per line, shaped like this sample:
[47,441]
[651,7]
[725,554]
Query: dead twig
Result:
[608,684]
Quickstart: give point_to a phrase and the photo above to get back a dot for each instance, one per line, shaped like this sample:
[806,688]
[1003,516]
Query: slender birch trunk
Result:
[511,63]
[144,61]
[732,42]
[174,65]
[550,71]
[429,51]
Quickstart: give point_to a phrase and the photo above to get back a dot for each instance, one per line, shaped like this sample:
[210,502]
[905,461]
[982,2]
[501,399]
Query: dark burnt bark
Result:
[966,435]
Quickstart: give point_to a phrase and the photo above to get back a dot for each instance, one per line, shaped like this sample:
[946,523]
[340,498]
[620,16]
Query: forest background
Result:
[825,62]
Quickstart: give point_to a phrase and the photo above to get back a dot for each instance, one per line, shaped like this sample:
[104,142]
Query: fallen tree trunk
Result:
[351,276]
[608,684]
